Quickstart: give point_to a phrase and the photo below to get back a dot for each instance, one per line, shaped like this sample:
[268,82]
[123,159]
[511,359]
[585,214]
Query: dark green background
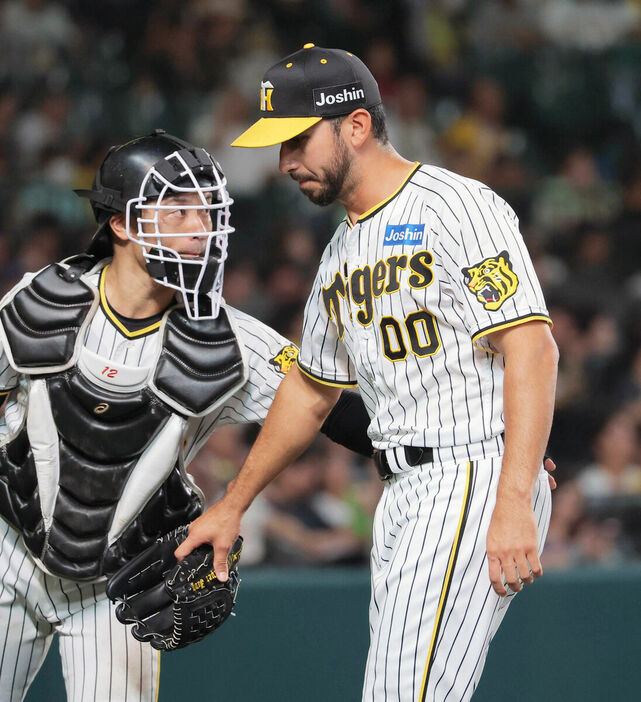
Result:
[302,636]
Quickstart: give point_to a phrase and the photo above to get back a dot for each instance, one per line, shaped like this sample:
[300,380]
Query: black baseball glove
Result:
[174,604]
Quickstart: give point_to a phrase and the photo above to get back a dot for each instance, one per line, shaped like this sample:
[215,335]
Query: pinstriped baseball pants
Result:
[101,661]
[433,611]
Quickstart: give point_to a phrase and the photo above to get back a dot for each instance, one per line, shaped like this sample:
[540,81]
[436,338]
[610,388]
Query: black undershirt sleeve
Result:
[347,424]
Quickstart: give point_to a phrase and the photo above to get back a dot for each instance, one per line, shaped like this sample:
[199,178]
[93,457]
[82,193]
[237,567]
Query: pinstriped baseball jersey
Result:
[97,651]
[402,304]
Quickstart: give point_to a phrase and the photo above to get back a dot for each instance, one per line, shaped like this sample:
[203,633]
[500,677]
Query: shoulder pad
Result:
[201,362]
[40,323]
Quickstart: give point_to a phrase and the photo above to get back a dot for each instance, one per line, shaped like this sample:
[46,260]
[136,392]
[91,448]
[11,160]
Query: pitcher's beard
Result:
[335,178]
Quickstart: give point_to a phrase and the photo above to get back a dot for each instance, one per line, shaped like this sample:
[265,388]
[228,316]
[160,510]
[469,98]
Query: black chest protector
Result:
[103,440]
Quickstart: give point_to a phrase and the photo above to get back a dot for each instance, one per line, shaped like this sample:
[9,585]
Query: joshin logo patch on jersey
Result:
[411,234]
[285,358]
[492,280]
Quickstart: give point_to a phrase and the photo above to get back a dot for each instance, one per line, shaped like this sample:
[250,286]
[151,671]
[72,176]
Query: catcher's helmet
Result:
[141,175]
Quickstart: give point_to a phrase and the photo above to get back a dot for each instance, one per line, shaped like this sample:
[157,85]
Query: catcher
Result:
[117,364]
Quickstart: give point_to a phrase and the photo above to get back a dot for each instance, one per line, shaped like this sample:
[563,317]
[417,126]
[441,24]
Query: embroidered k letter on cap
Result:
[301,89]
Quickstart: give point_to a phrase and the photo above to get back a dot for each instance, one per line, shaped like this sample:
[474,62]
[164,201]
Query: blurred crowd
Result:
[540,99]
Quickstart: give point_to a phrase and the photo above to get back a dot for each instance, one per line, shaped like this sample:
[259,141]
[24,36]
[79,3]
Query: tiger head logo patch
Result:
[285,358]
[492,280]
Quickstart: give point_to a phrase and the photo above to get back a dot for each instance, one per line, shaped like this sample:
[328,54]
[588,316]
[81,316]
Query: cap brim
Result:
[270,131]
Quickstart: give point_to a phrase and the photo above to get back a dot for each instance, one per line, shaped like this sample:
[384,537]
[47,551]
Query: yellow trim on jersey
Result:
[507,325]
[115,321]
[5,392]
[322,381]
[384,202]
[447,581]
[158,678]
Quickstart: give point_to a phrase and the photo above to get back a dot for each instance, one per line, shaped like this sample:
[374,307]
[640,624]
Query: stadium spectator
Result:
[577,194]
[475,140]
[615,471]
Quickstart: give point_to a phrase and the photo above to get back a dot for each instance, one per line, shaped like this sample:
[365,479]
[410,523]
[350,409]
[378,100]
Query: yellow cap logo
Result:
[266,90]
[101,408]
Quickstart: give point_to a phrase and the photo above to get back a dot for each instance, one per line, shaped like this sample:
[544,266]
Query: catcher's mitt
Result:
[174,604]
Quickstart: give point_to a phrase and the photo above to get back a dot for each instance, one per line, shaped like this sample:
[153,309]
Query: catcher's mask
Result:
[145,179]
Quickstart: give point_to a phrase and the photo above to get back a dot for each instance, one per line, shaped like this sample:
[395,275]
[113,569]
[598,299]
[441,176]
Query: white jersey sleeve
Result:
[491,272]
[268,356]
[323,355]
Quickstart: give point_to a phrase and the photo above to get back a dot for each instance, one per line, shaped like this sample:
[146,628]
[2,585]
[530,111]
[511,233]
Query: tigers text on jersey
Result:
[403,301]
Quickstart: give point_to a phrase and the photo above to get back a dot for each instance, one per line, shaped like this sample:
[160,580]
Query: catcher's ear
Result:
[117,224]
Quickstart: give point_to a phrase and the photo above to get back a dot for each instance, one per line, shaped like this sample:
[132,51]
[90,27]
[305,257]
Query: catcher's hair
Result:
[379,123]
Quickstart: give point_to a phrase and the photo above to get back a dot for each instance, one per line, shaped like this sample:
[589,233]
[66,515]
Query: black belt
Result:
[414,455]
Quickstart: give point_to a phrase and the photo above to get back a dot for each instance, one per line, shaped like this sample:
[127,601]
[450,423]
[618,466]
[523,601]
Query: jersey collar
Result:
[373,210]
[113,318]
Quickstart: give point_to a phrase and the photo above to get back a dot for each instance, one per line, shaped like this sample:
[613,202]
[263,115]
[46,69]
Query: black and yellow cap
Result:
[301,89]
